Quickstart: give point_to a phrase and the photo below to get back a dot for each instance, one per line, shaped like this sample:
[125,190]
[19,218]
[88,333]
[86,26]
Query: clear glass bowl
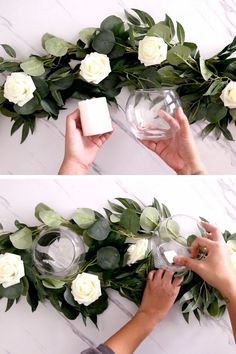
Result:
[142,113]
[58,252]
[175,234]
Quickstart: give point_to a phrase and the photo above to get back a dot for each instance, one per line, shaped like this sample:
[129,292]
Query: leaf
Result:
[132,19]
[111,23]
[9,66]
[9,50]
[129,203]
[100,229]
[108,258]
[10,303]
[22,239]
[104,42]
[29,108]
[180,33]
[215,112]
[206,73]
[130,220]
[41,86]
[149,219]
[53,283]
[70,298]
[233,113]
[43,208]
[170,24]
[145,17]
[84,217]
[165,211]
[227,134]
[25,132]
[50,107]
[160,30]
[207,130]
[12,292]
[45,37]
[51,218]
[33,67]
[215,88]
[213,309]
[46,239]
[190,240]
[57,97]
[178,54]
[86,35]
[56,46]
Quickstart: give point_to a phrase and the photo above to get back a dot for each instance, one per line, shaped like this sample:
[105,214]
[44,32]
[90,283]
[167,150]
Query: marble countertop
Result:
[46,331]
[210,23]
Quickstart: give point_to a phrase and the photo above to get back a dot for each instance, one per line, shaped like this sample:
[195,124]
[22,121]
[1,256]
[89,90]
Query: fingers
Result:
[151,275]
[178,281]
[73,120]
[200,242]
[215,234]
[187,262]
[182,119]
[170,120]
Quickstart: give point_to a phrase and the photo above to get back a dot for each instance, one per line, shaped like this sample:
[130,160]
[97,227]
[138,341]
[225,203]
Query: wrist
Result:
[72,167]
[194,168]
[229,291]
[148,320]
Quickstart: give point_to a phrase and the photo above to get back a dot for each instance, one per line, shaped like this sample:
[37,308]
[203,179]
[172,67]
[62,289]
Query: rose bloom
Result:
[19,88]
[86,288]
[152,50]
[228,95]
[11,269]
[95,67]
[137,251]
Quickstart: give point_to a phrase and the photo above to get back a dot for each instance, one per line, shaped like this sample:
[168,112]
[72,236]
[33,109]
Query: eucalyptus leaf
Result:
[33,67]
[86,35]
[99,230]
[51,283]
[12,292]
[50,218]
[130,220]
[28,108]
[108,258]
[149,219]
[104,42]
[22,239]
[215,112]
[180,33]
[56,46]
[233,113]
[84,217]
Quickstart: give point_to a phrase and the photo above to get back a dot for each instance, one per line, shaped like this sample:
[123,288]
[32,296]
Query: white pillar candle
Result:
[170,255]
[95,116]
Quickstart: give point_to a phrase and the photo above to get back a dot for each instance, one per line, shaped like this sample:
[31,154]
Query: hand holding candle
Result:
[80,151]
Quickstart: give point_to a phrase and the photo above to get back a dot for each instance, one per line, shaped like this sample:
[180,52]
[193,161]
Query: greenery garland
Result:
[107,239]
[206,87]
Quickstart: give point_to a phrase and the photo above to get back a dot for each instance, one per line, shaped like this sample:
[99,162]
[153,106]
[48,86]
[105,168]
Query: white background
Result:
[209,23]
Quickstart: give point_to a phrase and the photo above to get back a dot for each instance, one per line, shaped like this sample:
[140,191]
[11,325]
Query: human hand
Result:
[160,294]
[80,151]
[216,268]
[179,152]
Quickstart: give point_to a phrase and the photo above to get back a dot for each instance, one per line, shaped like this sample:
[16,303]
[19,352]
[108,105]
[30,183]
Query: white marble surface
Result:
[210,23]
[46,331]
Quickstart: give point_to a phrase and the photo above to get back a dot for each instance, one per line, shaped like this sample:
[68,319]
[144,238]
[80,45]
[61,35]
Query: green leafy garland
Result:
[199,82]
[109,236]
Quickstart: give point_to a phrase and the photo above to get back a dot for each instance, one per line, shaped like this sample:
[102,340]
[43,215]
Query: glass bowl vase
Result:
[58,252]
[175,237]
[142,113]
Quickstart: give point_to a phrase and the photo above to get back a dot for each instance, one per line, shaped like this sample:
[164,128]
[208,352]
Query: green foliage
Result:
[199,82]
[107,242]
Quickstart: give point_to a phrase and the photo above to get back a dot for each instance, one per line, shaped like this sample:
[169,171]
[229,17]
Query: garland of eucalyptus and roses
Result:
[136,54]
[117,257]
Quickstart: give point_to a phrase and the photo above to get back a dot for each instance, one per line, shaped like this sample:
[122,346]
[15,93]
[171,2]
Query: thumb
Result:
[187,262]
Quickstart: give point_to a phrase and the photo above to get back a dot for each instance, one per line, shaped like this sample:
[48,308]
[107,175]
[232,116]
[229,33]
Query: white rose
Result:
[86,288]
[137,251]
[11,269]
[95,67]
[19,88]
[152,50]
[228,95]
[232,246]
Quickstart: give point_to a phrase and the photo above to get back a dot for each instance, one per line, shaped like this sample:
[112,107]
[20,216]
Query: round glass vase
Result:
[142,113]
[175,237]
[58,252]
